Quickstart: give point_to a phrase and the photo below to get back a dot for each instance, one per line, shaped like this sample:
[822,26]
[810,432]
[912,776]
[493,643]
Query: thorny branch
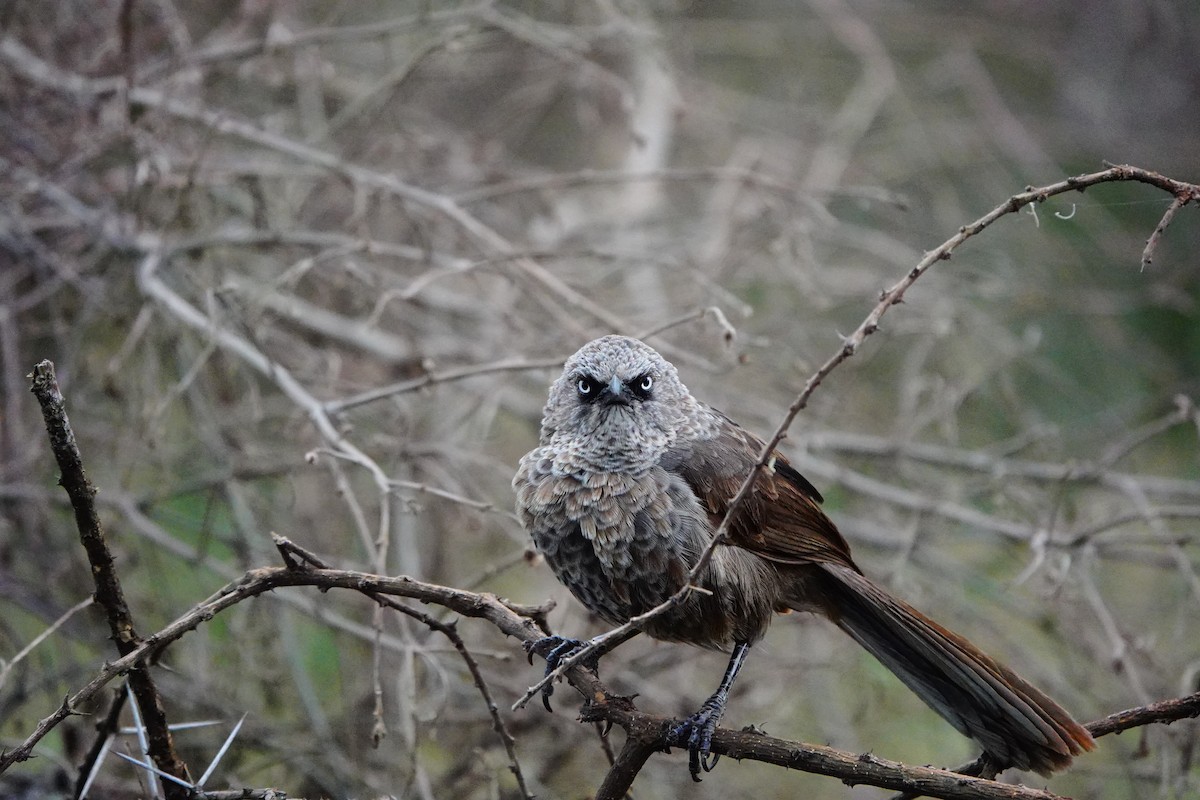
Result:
[109,594]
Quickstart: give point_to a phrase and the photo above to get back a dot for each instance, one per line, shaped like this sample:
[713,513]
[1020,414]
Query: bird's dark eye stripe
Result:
[641,385]
[587,387]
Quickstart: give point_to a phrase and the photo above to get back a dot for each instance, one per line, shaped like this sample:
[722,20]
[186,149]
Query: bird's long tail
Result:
[1016,724]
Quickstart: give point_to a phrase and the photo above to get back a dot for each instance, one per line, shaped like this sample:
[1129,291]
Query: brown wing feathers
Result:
[780,520]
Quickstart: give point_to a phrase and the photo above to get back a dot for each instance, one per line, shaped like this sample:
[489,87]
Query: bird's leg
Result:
[558,648]
[696,731]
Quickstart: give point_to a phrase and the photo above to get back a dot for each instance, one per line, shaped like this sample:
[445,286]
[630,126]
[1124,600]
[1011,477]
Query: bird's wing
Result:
[781,520]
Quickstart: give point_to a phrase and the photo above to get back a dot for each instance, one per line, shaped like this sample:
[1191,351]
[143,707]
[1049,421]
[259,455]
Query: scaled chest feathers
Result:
[610,508]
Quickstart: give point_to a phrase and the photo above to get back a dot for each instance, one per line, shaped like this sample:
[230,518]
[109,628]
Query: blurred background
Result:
[309,268]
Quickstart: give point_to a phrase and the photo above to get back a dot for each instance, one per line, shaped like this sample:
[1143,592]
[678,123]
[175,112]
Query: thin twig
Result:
[41,637]
[728,332]
[595,177]
[450,631]
[432,378]
[1152,243]
[1183,412]
[991,464]
[106,729]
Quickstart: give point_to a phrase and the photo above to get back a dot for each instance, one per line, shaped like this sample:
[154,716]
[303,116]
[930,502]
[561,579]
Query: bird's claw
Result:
[696,734]
[560,647]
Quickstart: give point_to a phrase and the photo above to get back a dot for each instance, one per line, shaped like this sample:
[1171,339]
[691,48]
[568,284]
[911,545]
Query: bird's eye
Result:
[587,387]
[641,386]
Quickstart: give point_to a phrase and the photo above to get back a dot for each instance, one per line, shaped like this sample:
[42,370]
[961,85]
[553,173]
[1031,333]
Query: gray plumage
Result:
[617,525]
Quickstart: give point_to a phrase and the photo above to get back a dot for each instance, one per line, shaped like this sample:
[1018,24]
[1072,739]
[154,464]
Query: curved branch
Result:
[1164,711]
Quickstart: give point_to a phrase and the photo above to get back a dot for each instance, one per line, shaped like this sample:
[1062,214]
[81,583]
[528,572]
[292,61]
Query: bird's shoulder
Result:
[781,519]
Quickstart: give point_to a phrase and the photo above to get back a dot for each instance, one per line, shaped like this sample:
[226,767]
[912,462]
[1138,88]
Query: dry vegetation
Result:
[307,268]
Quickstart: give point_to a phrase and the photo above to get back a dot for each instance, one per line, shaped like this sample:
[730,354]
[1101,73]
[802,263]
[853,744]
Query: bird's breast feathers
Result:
[604,505]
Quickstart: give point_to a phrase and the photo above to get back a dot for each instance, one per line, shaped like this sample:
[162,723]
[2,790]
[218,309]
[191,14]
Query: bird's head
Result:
[617,404]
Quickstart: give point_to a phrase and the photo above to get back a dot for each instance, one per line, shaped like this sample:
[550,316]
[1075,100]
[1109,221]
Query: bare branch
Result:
[109,594]
[1152,243]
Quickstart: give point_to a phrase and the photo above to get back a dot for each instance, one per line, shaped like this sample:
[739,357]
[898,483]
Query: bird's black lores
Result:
[630,479]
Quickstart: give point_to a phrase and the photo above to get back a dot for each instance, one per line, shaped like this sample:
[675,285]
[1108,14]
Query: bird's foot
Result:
[557,648]
[696,733]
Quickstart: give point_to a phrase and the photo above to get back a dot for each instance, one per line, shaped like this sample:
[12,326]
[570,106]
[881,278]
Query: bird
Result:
[632,477]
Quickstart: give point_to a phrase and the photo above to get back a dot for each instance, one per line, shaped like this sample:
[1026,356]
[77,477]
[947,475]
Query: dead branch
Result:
[109,594]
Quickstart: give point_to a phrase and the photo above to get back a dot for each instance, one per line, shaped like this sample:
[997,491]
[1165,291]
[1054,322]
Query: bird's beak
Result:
[615,394]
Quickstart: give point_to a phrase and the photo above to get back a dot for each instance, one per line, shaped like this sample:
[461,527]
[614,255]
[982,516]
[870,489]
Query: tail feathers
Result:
[1016,724]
